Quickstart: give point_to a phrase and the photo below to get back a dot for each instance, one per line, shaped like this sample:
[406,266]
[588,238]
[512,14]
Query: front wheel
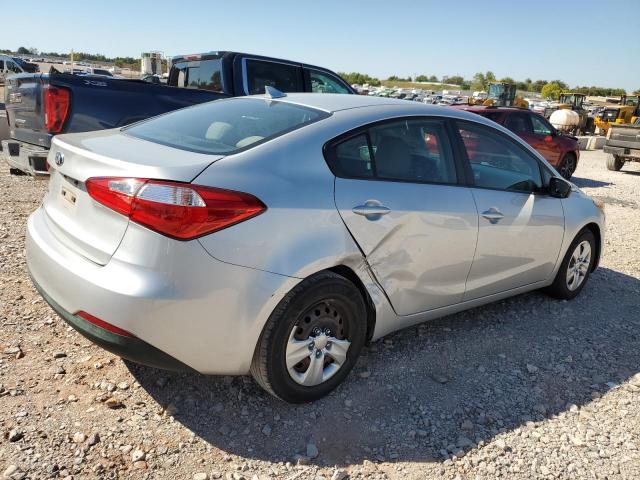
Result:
[312,339]
[567,166]
[614,162]
[575,268]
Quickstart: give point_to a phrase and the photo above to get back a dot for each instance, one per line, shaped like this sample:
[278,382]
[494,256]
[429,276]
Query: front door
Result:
[397,192]
[520,227]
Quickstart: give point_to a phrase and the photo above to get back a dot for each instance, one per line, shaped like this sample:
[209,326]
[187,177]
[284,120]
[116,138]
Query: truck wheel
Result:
[614,162]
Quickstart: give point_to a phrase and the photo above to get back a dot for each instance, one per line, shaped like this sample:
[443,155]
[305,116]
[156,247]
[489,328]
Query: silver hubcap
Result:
[578,265]
[325,354]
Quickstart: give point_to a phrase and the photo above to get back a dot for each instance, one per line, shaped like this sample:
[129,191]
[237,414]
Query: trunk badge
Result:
[59,159]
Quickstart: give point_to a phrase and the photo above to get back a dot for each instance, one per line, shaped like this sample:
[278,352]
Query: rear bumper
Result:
[26,158]
[184,306]
[633,153]
[131,348]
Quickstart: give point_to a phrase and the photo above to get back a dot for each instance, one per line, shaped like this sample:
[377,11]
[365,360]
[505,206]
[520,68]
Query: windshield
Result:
[225,126]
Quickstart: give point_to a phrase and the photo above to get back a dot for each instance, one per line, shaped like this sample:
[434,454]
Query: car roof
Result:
[333,102]
[481,108]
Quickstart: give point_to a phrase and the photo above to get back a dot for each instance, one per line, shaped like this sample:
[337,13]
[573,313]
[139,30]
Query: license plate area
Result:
[69,198]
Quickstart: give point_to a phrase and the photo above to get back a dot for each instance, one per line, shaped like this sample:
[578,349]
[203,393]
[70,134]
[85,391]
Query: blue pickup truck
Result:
[39,106]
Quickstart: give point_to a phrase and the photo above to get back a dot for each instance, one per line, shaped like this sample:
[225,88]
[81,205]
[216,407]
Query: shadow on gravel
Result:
[588,183]
[434,390]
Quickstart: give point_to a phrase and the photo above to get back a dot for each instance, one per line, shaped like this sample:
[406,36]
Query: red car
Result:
[561,151]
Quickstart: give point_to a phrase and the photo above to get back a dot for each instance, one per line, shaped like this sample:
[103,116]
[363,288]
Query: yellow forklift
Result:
[503,94]
[627,111]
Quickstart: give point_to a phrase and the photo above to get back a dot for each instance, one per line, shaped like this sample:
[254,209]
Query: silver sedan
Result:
[278,234]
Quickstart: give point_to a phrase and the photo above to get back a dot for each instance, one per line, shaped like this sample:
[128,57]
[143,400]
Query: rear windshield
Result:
[225,126]
[203,75]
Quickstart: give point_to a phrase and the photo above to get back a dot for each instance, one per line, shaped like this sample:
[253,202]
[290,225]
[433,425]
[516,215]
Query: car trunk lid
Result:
[85,226]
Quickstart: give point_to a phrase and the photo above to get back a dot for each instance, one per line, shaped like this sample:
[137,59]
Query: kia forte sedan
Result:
[276,235]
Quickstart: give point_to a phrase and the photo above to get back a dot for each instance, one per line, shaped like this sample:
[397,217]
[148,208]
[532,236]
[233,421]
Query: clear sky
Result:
[586,42]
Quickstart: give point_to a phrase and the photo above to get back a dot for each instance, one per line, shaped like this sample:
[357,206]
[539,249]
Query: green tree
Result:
[551,90]
[433,78]
[538,84]
[421,78]
[359,78]
[395,78]
[507,80]
[455,80]
[489,77]
[23,51]
[479,82]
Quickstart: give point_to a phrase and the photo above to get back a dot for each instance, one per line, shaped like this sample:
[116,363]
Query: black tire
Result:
[567,166]
[614,162]
[559,288]
[269,367]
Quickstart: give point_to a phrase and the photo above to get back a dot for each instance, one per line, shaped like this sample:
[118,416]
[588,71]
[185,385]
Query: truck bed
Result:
[96,103]
[624,141]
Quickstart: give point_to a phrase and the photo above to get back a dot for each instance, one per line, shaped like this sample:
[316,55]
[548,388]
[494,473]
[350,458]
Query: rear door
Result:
[520,227]
[397,191]
[545,137]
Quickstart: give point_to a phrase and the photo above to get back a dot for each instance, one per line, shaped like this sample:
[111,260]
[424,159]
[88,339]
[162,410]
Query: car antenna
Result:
[272,92]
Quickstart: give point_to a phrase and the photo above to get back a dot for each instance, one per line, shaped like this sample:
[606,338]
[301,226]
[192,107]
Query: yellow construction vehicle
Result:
[503,94]
[627,111]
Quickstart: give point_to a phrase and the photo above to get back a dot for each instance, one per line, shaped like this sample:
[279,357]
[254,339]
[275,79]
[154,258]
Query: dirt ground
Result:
[528,387]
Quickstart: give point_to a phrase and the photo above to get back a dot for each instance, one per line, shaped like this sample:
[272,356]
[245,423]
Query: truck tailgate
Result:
[23,102]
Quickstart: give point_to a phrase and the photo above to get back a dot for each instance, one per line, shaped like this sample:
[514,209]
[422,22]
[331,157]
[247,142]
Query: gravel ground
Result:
[525,388]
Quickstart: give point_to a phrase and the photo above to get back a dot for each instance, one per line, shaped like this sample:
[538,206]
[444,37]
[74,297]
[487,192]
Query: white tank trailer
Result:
[565,120]
[151,63]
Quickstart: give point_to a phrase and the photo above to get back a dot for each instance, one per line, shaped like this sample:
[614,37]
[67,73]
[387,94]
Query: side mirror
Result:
[559,187]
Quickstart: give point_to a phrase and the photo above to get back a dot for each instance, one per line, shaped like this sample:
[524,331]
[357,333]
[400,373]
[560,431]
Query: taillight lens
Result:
[178,210]
[56,108]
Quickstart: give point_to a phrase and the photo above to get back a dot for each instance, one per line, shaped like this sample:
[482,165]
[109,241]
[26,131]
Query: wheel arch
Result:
[595,229]
[348,273]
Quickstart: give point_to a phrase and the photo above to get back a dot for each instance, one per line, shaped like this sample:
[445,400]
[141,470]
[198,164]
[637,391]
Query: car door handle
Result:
[493,215]
[371,210]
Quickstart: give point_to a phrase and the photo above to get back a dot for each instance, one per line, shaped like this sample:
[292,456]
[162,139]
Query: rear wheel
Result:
[614,162]
[567,166]
[312,339]
[575,268]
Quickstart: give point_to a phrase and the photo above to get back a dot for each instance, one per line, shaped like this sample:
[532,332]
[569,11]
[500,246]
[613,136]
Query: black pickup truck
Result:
[39,106]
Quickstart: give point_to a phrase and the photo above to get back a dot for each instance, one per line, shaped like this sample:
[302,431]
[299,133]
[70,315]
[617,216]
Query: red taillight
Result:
[179,210]
[104,325]
[56,108]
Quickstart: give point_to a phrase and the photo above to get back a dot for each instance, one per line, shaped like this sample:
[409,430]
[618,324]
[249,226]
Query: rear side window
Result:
[415,150]
[325,83]
[518,123]
[499,163]
[283,76]
[225,126]
[203,75]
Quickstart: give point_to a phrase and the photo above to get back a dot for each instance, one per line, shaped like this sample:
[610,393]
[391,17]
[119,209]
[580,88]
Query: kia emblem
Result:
[59,158]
